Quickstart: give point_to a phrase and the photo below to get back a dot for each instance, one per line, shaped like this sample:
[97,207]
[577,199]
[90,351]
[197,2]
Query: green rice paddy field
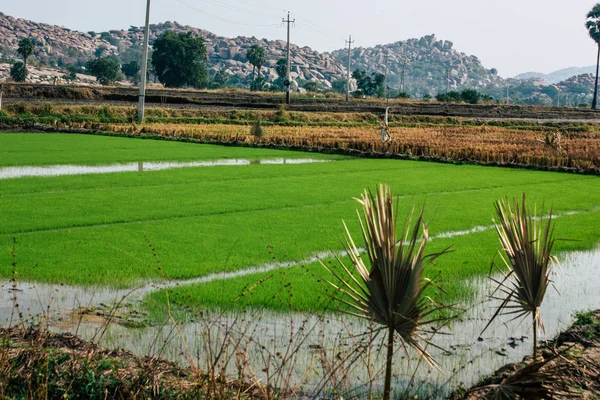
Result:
[125,229]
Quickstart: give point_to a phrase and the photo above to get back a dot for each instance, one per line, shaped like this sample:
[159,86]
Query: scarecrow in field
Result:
[553,140]
[385,134]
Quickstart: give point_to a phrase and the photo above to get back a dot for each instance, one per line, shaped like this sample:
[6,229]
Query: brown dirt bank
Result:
[570,368]
[40,364]
[242,99]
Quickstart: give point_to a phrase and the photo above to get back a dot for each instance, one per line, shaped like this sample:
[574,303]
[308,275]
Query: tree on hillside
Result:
[378,86]
[256,56]
[451,97]
[312,86]
[131,69]
[281,69]
[592,24]
[100,51]
[219,80]
[106,70]
[369,85]
[25,50]
[179,60]
[339,86]
[18,73]
[470,96]
[109,38]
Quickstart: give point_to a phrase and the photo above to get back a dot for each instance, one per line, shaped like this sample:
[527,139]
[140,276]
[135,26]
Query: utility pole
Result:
[349,41]
[402,76]
[287,77]
[142,96]
[386,57]
[447,80]
[557,95]
[507,94]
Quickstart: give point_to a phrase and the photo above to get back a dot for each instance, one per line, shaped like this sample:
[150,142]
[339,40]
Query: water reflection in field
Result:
[316,347]
[58,170]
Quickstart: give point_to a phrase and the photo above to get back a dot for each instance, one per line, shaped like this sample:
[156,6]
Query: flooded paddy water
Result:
[294,350]
[310,349]
[59,170]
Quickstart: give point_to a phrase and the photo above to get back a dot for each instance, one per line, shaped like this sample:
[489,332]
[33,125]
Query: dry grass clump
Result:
[40,364]
[568,367]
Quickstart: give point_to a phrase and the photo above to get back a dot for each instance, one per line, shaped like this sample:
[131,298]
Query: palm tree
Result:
[25,49]
[527,241]
[256,56]
[391,292]
[592,24]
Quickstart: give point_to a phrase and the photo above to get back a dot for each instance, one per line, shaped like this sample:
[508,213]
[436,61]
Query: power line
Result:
[221,18]
[239,9]
[316,27]
[306,23]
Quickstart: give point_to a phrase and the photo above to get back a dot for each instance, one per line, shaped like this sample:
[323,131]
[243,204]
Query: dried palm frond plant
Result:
[527,241]
[391,291]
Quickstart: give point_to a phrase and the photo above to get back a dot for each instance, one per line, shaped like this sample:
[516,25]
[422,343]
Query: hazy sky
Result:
[513,36]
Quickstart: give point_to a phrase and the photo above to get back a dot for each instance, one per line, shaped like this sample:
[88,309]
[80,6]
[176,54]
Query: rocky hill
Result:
[428,60]
[57,46]
[54,44]
[574,91]
[430,64]
[557,76]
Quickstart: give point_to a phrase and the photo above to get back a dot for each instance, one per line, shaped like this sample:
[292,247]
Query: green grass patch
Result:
[19,149]
[304,288]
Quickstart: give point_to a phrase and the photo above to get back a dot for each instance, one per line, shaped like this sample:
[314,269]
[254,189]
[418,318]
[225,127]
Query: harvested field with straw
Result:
[564,146]
[576,151]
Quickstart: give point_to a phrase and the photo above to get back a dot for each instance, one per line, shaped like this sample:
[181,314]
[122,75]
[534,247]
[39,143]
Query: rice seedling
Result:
[527,241]
[63,224]
[390,293]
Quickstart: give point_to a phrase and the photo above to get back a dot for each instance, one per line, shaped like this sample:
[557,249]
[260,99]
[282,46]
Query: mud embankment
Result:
[248,100]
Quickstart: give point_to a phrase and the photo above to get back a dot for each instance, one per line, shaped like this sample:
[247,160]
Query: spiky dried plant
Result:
[391,292]
[527,241]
